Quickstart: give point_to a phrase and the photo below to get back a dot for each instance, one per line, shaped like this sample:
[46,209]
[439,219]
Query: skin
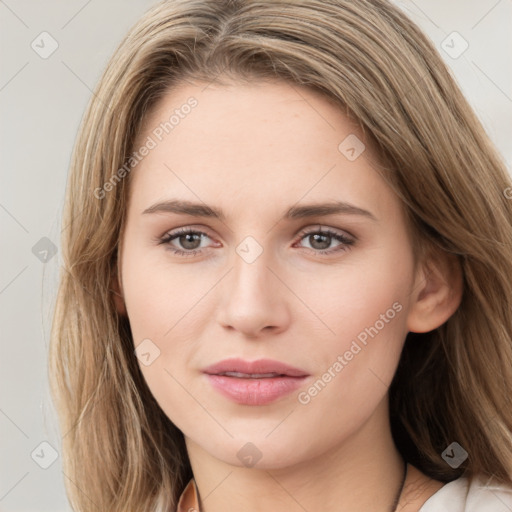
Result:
[254,151]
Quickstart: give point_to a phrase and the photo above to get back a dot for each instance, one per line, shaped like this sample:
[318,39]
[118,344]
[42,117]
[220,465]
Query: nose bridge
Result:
[252,300]
[251,274]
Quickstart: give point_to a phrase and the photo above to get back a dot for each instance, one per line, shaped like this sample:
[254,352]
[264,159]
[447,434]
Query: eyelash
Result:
[345,241]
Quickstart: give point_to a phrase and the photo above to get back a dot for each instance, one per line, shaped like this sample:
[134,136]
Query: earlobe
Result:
[437,293]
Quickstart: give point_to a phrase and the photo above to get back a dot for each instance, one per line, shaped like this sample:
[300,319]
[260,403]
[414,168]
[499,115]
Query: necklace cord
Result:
[401,488]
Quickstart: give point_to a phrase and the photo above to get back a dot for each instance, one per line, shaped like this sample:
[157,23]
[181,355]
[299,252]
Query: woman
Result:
[286,271]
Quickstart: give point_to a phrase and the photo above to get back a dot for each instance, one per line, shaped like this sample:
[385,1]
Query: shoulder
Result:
[466,494]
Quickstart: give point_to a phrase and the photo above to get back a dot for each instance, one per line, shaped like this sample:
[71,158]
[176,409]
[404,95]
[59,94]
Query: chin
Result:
[257,451]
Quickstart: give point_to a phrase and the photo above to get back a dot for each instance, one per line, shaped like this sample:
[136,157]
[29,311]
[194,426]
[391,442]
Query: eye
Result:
[320,240]
[189,240]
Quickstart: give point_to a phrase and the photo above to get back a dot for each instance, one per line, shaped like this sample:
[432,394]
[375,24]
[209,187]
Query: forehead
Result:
[264,143]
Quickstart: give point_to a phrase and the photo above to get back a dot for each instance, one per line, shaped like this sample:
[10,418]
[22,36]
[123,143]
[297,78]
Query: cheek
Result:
[165,307]
[356,364]
[160,305]
[365,308]
[369,293]
[158,294]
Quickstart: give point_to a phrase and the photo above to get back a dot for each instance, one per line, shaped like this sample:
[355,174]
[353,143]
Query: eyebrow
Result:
[294,212]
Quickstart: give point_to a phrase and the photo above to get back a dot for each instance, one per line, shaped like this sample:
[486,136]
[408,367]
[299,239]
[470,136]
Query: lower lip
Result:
[255,391]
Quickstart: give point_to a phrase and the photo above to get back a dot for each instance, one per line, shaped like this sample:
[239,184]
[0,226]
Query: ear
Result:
[117,291]
[437,293]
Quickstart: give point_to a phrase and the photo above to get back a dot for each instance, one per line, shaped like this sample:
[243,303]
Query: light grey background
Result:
[41,103]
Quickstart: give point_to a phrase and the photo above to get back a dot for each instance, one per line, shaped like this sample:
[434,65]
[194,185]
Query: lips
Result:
[251,375]
[254,382]
[260,367]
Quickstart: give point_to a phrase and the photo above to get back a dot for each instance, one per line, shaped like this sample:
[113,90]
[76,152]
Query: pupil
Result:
[323,245]
[189,242]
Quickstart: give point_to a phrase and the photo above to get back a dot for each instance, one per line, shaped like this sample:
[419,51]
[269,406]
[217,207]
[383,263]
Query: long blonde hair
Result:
[120,451]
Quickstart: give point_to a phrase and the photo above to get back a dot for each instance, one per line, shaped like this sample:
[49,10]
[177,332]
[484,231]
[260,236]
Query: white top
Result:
[481,495]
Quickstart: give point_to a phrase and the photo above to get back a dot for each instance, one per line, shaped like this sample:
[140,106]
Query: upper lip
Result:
[258,367]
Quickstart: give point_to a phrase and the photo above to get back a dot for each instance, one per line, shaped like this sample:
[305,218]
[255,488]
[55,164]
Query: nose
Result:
[254,300]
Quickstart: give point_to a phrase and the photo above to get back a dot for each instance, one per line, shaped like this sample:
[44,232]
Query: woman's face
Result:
[255,174]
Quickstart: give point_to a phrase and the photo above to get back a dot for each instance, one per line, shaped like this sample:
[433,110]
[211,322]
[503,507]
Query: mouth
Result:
[241,375]
[258,382]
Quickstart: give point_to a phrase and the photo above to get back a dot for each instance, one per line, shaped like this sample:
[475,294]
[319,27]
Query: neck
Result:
[364,472]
